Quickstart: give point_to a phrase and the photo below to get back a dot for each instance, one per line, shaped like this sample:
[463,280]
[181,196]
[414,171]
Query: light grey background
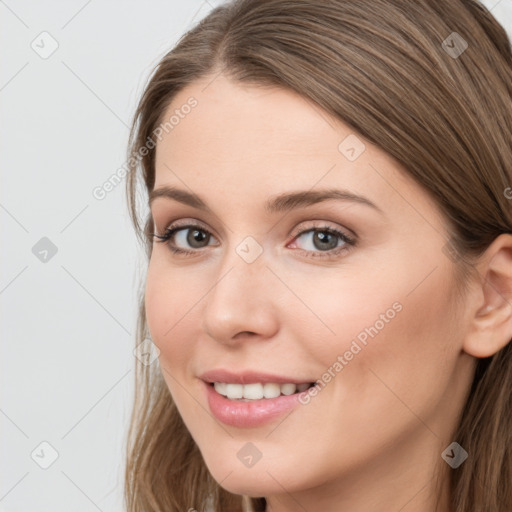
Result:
[68,323]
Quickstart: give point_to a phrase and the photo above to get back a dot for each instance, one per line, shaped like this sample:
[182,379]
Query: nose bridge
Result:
[241,299]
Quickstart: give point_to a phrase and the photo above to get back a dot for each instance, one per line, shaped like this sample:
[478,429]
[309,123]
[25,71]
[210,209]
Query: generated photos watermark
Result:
[100,192]
[355,348]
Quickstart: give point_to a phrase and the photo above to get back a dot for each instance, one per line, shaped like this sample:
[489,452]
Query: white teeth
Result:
[257,391]
[220,387]
[234,390]
[271,390]
[253,391]
[288,389]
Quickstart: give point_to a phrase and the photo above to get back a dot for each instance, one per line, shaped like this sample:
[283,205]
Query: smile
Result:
[258,391]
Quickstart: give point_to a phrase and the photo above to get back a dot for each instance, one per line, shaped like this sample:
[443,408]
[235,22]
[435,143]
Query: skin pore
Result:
[372,438]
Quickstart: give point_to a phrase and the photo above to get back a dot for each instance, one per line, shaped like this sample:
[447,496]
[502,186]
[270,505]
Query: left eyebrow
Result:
[292,200]
[280,203]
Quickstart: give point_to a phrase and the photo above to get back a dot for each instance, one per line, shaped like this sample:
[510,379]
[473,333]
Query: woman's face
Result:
[273,294]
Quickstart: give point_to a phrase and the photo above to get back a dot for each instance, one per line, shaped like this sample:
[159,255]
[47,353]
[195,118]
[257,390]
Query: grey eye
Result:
[192,238]
[321,239]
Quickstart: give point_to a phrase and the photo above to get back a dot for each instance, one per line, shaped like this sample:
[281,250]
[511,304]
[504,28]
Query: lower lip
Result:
[249,414]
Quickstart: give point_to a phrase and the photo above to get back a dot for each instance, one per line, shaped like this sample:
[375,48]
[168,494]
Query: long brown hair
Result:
[394,72]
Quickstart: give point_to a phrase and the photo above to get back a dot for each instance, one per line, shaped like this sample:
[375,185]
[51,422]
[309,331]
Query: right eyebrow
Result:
[179,195]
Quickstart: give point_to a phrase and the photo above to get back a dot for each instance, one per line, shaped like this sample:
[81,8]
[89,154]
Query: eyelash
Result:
[332,253]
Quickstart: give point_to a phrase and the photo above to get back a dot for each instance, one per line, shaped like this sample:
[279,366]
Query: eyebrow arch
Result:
[280,203]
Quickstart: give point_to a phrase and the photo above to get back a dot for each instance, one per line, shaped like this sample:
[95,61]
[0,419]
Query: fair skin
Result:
[372,438]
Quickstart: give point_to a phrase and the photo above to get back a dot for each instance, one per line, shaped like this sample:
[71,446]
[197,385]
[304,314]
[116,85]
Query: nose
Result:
[242,303]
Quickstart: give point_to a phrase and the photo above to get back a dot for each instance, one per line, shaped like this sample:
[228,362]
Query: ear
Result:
[491,320]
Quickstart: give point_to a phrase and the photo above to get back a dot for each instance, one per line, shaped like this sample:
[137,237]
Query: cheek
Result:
[169,305]
[342,312]
[381,334]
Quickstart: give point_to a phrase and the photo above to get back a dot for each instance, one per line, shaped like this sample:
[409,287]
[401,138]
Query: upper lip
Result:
[248,377]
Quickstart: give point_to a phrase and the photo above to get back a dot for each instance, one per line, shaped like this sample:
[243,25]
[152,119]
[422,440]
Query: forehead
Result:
[232,120]
[250,142]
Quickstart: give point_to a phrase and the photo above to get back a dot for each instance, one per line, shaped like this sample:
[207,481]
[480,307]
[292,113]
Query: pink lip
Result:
[248,377]
[242,414]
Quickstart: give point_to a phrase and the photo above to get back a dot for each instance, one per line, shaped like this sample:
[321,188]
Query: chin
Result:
[250,486]
[258,481]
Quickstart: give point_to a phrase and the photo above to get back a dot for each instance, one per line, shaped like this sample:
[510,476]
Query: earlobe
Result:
[491,323]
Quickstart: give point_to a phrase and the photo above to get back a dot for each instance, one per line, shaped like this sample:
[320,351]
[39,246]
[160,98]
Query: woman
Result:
[329,285]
